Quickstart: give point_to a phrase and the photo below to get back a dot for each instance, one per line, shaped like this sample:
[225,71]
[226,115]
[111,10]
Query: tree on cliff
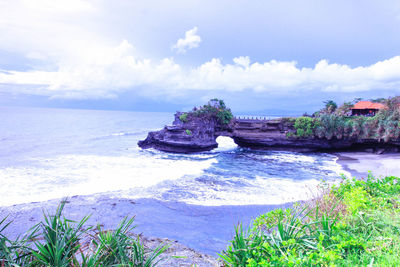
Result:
[330,106]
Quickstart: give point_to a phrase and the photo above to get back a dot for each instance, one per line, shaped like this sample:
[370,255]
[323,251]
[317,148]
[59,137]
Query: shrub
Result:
[188,132]
[225,116]
[383,126]
[183,117]
[356,199]
[330,106]
[350,224]
[61,239]
[60,242]
[305,126]
[214,109]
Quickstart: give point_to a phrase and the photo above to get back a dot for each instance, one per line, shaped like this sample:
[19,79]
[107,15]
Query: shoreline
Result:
[204,230]
[195,232]
[359,164]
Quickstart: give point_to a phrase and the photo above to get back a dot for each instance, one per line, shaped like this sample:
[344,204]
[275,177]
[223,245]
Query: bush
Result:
[351,224]
[225,116]
[330,106]
[183,117]
[215,109]
[305,127]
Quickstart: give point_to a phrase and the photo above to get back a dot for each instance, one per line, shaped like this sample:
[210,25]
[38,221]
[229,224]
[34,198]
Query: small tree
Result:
[330,106]
[393,103]
[344,109]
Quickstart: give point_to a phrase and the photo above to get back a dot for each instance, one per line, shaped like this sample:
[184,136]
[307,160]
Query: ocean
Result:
[48,154]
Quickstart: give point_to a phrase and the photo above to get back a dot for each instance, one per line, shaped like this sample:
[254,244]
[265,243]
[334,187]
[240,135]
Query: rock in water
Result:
[196,135]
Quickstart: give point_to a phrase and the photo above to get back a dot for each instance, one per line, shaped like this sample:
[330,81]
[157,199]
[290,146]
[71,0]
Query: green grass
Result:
[356,223]
[58,241]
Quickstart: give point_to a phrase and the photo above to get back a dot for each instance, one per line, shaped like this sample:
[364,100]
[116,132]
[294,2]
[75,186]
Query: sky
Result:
[260,56]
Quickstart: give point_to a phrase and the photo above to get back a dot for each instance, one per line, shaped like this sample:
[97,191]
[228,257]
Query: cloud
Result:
[191,40]
[79,49]
[107,71]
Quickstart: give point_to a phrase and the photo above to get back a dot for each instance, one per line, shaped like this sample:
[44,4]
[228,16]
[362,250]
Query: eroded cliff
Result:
[200,133]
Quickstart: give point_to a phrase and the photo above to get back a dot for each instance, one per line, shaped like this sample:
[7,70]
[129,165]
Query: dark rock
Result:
[196,135]
[200,133]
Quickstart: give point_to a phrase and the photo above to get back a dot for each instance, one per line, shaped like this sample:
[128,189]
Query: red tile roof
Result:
[368,105]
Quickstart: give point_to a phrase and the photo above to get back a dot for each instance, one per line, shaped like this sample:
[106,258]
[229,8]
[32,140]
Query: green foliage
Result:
[188,132]
[305,126]
[183,117]
[330,106]
[61,239]
[336,123]
[215,109]
[365,231]
[60,242]
[356,199]
[392,103]
[15,252]
[379,100]
[383,126]
[115,248]
[344,109]
[288,120]
[224,116]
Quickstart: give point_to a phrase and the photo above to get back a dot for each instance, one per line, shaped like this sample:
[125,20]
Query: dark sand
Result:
[204,229]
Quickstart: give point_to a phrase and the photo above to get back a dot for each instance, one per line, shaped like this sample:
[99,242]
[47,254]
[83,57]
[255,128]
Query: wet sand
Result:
[206,229]
[358,164]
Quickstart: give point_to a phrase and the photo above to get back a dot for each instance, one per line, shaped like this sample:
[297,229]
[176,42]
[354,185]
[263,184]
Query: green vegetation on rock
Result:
[215,108]
[305,126]
[183,117]
[356,223]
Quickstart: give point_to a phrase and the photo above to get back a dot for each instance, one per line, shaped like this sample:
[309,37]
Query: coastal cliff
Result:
[197,131]
[200,135]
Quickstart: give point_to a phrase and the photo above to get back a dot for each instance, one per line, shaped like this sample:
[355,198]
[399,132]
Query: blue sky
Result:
[260,56]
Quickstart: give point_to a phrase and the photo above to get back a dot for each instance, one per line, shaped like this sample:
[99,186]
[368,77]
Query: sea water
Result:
[53,153]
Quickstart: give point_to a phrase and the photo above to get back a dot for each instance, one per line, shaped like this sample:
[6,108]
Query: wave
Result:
[236,180]
[71,175]
[261,191]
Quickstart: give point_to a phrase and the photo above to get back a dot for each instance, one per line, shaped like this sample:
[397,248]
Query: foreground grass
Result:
[356,223]
[58,241]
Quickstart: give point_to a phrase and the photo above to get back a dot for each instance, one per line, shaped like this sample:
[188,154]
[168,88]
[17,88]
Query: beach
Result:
[359,164]
[197,232]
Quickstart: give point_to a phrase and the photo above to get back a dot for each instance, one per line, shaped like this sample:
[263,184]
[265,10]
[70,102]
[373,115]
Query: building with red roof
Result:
[366,108]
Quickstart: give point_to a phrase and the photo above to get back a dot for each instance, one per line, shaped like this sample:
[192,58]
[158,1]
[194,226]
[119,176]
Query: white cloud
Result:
[83,59]
[191,40]
[107,71]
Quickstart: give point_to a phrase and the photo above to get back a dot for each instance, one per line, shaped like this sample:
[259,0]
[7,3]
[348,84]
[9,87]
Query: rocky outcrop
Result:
[199,134]
[272,134]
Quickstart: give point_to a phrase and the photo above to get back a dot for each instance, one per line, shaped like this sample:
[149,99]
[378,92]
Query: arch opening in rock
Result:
[225,143]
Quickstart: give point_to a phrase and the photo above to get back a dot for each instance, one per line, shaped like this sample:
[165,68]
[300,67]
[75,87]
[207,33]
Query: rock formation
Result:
[200,133]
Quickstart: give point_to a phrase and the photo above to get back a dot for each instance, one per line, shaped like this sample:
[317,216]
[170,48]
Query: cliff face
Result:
[199,134]
[196,135]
